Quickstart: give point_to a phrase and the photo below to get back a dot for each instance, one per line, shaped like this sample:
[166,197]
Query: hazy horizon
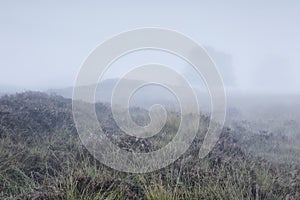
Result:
[254,44]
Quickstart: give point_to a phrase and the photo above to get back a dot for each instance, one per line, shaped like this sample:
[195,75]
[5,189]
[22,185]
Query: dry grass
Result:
[54,165]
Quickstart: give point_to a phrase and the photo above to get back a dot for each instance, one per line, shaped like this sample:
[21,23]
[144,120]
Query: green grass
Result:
[44,159]
[57,166]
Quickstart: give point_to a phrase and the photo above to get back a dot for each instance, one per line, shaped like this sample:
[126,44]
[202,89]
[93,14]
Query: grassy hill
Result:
[41,157]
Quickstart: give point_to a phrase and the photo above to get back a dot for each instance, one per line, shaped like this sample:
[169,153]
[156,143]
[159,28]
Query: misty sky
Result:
[255,44]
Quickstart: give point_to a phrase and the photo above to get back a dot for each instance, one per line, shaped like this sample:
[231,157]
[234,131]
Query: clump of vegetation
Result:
[41,157]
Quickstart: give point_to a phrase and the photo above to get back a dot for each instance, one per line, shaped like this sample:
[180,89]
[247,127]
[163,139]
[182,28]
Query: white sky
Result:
[42,44]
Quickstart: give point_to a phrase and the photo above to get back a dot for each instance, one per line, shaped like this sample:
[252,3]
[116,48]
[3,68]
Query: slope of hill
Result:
[41,157]
[142,98]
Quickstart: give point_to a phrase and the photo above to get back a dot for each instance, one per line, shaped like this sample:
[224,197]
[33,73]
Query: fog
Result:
[255,44]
